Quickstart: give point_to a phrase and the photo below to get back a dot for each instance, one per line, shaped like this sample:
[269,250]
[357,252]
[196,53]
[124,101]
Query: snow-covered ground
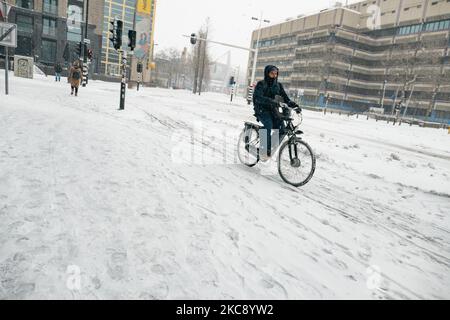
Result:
[97,203]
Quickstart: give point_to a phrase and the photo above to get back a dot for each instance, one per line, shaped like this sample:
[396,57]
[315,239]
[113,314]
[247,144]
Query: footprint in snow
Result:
[158,291]
[117,265]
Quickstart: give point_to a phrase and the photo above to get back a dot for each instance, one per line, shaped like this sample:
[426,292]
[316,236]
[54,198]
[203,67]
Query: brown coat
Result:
[75,82]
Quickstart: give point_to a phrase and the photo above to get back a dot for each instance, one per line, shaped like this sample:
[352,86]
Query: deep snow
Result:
[87,188]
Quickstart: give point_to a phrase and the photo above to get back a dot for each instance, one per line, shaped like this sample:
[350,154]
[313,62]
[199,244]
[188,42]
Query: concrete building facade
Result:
[369,54]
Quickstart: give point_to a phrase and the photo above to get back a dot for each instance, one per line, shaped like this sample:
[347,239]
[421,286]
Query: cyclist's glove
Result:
[295,106]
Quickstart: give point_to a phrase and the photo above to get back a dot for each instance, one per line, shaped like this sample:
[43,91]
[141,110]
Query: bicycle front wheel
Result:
[296,162]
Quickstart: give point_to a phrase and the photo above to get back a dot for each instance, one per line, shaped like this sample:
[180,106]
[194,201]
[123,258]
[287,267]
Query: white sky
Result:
[230,21]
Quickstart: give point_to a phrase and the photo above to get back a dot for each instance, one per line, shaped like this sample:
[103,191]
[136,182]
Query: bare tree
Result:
[177,65]
[200,58]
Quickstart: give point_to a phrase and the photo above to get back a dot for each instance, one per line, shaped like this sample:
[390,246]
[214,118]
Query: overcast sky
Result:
[230,21]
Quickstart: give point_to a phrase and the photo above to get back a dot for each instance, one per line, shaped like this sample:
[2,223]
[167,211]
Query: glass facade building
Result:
[122,10]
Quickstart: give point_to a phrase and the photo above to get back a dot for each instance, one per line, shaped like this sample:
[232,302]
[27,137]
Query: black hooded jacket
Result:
[265,92]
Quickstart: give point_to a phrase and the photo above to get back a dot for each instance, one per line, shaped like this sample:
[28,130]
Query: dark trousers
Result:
[270,123]
[76,90]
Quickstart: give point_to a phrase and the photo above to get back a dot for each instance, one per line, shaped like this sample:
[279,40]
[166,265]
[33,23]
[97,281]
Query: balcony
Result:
[365,85]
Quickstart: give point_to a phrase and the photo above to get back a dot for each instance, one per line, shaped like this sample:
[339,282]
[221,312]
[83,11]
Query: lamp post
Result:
[255,56]
[384,93]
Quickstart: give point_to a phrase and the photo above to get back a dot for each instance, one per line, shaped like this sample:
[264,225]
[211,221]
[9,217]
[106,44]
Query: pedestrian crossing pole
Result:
[85,73]
[124,81]
[250,95]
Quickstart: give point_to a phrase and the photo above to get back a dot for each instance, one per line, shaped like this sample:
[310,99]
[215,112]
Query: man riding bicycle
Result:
[266,104]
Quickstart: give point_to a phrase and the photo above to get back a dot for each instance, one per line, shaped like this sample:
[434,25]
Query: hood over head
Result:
[267,70]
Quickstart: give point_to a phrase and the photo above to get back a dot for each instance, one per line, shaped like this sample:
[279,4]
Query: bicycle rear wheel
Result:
[296,162]
[248,146]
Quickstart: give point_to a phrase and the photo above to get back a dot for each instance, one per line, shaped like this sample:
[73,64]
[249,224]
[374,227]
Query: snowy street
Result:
[96,203]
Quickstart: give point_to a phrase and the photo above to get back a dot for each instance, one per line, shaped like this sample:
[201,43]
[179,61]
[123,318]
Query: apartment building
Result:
[49,30]
[369,54]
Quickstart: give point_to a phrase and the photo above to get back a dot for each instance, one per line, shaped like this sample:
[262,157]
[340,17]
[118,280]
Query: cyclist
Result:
[266,104]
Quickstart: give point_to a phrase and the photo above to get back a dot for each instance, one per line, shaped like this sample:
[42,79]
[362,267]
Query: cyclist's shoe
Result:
[264,157]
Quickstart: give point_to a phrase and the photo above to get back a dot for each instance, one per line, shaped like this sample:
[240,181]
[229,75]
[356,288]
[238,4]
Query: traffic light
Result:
[232,82]
[112,36]
[132,39]
[139,68]
[116,33]
[119,31]
[79,48]
[193,38]
[90,54]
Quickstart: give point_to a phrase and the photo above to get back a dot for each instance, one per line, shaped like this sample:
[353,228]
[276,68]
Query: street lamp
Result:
[255,57]
[384,93]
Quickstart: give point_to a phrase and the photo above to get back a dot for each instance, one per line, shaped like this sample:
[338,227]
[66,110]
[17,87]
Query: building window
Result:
[436,26]
[26,4]
[24,46]
[49,27]
[50,6]
[48,51]
[409,29]
[24,23]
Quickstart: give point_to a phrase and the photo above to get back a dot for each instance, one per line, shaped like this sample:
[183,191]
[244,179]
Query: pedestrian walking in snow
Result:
[75,77]
[58,70]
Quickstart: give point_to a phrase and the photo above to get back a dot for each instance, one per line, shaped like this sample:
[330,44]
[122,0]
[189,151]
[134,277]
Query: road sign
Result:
[4,14]
[11,39]
[87,41]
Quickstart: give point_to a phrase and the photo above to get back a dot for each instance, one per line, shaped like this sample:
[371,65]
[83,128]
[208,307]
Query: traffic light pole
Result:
[255,51]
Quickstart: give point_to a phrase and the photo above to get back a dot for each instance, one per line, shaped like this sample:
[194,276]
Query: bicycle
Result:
[296,159]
